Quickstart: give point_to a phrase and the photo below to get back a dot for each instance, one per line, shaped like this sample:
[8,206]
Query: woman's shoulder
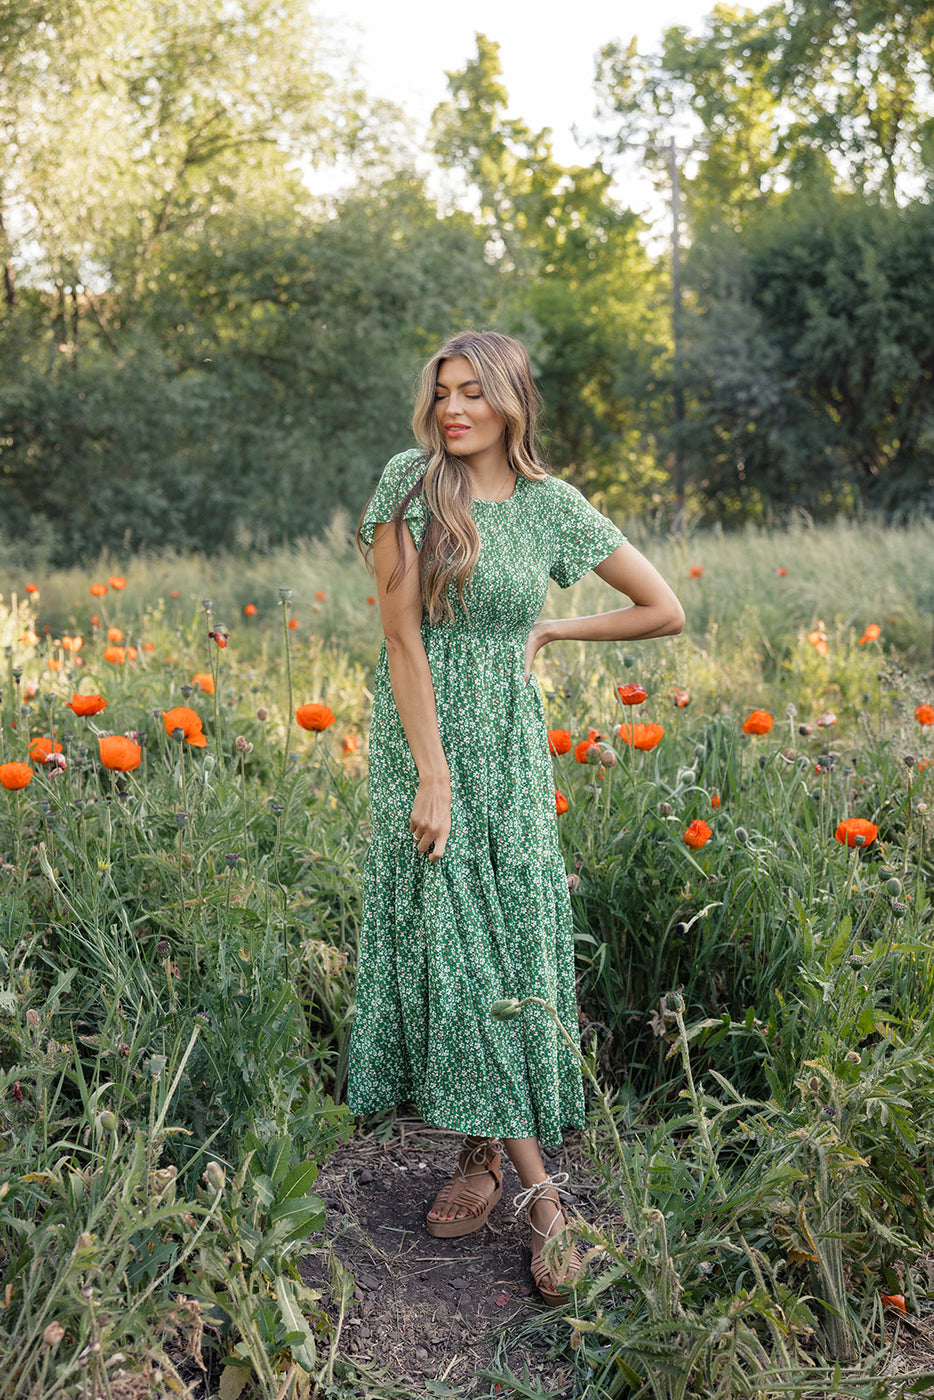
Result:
[401,473]
[555,494]
[396,481]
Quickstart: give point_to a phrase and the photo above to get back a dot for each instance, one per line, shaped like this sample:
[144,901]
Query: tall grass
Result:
[177,947]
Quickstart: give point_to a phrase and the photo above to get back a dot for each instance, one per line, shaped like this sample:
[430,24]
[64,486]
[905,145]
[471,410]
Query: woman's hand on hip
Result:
[538,636]
[430,822]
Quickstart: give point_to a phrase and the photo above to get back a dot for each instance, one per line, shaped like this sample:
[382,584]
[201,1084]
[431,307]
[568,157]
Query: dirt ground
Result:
[430,1309]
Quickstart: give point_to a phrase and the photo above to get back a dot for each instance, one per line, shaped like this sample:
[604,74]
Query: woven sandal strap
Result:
[525,1200]
[455,1194]
[482,1156]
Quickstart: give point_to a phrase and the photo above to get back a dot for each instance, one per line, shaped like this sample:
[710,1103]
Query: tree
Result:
[810,371]
[581,289]
[803,93]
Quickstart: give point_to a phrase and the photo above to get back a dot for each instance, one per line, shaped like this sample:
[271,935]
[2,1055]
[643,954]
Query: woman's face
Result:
[469,425]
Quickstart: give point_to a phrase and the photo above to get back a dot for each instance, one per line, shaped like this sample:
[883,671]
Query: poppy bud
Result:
[813,1083]
[262,714]
[108,1121]
[593,754]
[853,1057]
[32,1017]
[52,1335]
[675,1001]
[573,882]
[893,886]
[214,1177]
[506,1010]
[742,835]
[608,758]
[665,809]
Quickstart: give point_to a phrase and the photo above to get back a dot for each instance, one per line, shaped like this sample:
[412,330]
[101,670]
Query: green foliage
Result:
[742,1229]
[580,287]
[808,365]
[175,998]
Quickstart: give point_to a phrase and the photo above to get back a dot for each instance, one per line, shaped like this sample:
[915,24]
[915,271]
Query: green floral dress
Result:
[441,941]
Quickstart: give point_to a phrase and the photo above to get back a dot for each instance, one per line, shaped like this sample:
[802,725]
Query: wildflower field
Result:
[745,816]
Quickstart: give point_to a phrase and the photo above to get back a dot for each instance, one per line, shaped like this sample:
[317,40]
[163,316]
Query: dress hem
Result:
[454,1124]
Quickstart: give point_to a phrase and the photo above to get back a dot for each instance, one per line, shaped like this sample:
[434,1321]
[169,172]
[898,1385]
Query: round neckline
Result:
[487,501]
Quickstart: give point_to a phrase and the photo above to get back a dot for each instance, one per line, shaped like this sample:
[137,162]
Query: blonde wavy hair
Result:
[451,543]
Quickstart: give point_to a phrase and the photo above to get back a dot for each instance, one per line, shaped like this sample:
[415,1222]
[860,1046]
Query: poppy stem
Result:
[284,603]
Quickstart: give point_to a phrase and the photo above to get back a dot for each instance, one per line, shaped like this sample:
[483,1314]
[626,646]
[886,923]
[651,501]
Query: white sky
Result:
[547,50]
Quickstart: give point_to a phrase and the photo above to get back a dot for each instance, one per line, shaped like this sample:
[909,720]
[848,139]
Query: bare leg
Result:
[526,1157]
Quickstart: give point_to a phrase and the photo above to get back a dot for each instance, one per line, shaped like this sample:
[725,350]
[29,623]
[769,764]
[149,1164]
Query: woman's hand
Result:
[430,822]
[538,636]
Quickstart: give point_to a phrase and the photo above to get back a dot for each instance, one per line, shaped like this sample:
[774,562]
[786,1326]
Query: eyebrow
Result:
[467,384]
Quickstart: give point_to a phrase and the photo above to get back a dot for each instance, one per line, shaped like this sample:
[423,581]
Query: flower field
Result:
[745,816]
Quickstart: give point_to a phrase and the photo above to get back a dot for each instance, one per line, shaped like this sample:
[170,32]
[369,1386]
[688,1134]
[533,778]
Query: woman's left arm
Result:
[655,611]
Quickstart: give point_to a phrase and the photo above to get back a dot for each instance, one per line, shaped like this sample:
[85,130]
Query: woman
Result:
[465,891]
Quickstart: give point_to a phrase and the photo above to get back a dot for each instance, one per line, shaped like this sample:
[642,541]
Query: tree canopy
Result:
[195,351]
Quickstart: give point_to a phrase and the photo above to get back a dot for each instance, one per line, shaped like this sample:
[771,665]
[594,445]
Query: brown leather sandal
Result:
[479,1157]
[564,1270]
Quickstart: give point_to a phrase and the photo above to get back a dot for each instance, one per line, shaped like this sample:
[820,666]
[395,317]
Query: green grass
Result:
[177,948]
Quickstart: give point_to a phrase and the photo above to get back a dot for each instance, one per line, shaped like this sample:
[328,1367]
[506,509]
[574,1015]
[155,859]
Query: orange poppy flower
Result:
[872,633]
[250,610]
[98,590]
[95,621]
[641,736]
[924,714]
[351,744]
[293,623]
[53,664]
[715,800]
[632,694]
[680,698]
[115,655]
[782,572]
[320,596]
[14,776]
[894,1300]
[87,704]
[759,722]
[559,741]
[219,638]
[371,601]
[32,588]
[41,747]
[72,643]
[583,749]
[29,638]
[205,681]
[131,653]
[117,582]
[314,716]
[188,722]
[697,835]
[561,803]
[118,753]
[697,570]
[149,646]
[847,832]
[114,634]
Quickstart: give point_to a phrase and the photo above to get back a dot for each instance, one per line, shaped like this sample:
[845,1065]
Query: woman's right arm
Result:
[412,687]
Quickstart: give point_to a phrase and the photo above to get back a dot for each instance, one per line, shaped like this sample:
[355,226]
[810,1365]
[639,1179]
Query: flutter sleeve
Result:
[582,537]
[399,476]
